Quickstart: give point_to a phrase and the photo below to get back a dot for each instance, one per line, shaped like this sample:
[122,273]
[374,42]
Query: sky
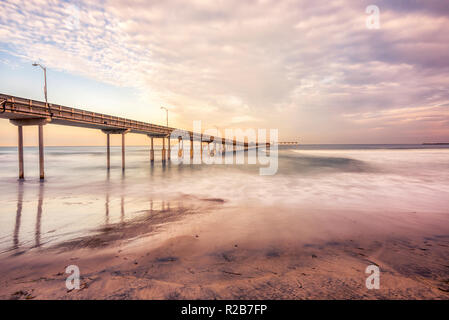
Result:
[314,70]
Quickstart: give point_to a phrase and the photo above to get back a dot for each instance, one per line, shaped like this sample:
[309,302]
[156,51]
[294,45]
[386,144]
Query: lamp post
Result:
[45,78]
[45,85]
[166,110]
[41,129]
[163,139]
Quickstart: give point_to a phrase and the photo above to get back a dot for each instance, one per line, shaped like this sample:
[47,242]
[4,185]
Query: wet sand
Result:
[212,250]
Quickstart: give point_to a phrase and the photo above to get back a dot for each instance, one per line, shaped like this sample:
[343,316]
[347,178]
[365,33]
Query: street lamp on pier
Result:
[166,110]
[45,78]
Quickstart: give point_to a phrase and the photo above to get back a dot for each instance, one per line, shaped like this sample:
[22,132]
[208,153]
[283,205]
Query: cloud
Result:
[262,63]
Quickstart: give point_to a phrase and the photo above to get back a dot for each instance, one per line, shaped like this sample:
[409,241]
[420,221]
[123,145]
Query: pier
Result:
[27,112]
[288,143]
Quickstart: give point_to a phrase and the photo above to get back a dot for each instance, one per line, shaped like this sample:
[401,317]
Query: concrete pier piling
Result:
[108,151]
[201,150]
[20,151]
[152,150]
[108,132]
[180,147]
[39,122]
[123,151]
[41,152]
[169,148]
[163,150]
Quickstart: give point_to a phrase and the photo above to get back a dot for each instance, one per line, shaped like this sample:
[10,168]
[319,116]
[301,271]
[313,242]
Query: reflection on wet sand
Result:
[18,215]
[106,204]
[116,226]
[37,232]
[122,209]
[122,199]
[39,215]
[144,223]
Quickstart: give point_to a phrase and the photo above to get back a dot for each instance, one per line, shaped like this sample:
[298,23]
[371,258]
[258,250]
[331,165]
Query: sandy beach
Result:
[200,253]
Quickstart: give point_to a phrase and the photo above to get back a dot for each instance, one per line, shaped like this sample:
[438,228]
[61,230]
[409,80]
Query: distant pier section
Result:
[288,143]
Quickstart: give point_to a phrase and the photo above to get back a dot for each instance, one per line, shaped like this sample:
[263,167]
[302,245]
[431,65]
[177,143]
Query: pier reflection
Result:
[40,200]
[18,215]
[37,230]
[122,199]
[106,204]
[118,214]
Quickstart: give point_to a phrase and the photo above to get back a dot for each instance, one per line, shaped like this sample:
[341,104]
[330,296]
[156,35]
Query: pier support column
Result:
[180,147]
[169,148]
[123,151]
[20,150]
[108,143]
[191,147]
[163,150]
[41,152]
[40,122]
[152,150]
[108,151]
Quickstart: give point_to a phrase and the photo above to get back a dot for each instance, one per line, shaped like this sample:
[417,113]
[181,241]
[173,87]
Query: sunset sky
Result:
[312,69]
